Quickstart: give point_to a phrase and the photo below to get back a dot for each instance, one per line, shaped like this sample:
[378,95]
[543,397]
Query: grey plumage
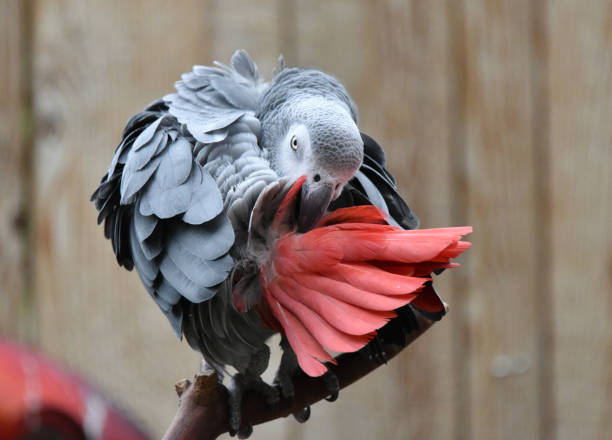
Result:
[205,204]
[192,288]
[178,196]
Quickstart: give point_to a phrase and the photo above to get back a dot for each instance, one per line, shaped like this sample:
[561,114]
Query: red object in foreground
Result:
[38,399]
[331,288]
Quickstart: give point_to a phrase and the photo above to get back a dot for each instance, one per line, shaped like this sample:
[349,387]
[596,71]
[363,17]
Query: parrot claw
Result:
[245,431]
[302,415]
[332,397]
[332,384]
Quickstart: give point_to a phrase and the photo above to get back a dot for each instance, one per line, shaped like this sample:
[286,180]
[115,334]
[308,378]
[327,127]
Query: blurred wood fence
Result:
[494,113]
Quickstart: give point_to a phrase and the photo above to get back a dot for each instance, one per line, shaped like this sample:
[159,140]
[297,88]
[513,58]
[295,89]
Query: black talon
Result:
[332,397]
[302,415]
[245,431]
[332,384]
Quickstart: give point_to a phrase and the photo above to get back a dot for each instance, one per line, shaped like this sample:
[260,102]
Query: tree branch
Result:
[203,406]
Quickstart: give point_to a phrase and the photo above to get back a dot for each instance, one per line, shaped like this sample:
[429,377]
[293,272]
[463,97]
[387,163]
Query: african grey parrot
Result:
[181,202]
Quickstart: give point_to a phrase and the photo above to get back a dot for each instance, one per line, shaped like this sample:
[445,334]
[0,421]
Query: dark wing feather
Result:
[107,196]
[374,185]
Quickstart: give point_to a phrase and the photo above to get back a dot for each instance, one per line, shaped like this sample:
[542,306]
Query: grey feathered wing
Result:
[163,210]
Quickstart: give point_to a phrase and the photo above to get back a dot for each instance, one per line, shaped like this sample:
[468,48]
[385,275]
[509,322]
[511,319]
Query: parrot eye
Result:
[294,143]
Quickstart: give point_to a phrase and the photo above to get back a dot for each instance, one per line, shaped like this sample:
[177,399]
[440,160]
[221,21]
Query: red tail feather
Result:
[318,327]
[348,293]
[343,316]
[333,287]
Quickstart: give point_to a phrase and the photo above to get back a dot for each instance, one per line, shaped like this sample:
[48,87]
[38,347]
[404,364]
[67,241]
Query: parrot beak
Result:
[314,202]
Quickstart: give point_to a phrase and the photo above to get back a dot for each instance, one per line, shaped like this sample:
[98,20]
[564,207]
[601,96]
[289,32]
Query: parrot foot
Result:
[332,384]
[235,393]
[285,383]
[269,392]
[302,415]
[286,370]
[377,351]
[239,385]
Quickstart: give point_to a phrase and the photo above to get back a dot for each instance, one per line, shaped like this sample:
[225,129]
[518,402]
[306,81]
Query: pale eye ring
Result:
[294,143]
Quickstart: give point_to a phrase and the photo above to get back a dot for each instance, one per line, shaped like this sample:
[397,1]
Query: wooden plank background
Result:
[11,204]
[495,113]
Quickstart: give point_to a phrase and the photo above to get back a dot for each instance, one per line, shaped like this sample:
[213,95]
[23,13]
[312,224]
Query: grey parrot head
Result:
[312,131]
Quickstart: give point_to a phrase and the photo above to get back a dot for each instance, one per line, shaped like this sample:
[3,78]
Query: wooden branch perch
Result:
[203,407]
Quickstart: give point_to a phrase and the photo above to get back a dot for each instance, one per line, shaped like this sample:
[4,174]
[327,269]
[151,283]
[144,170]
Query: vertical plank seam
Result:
[208,31]
[461,343]
[539,60]
[27,313]
[288,45]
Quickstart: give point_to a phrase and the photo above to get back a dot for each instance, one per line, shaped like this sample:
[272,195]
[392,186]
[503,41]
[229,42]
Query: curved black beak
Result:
[314,202]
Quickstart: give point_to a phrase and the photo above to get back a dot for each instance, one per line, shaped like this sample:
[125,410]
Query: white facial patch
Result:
[295,151]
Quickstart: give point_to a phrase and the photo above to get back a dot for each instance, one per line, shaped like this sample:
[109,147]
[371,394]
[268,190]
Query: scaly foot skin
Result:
[249,380]
[284,379]
[286,370]
[285,384]
[239,385]
[269,392]
[235,393]
[374,350]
